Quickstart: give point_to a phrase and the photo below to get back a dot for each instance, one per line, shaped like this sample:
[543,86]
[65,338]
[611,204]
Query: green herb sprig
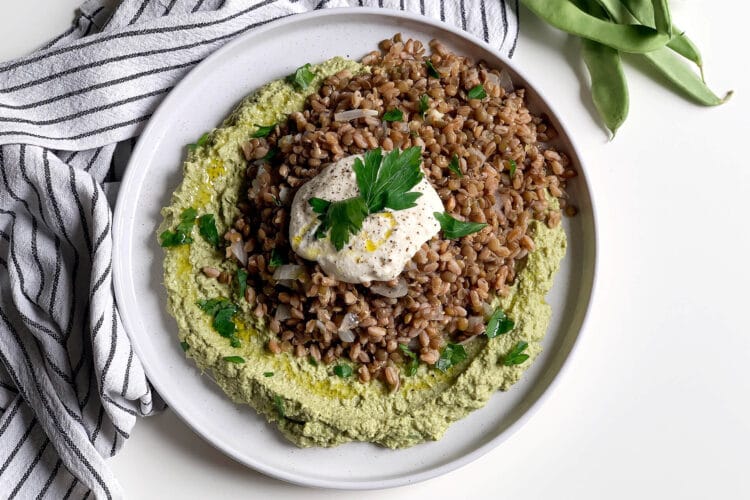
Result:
[516,356]
[413,364]
[207,229]
[477,92]
[181,234]
[223,312]
[499,324]
[302,77]
[454,228]
[452,355]
[454,167]
[393,115]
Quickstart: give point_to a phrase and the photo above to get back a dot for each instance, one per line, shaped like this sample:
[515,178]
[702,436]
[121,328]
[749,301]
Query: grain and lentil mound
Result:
[507,175]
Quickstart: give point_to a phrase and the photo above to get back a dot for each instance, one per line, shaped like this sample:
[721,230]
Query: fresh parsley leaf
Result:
[276,258]
[181,234]
[207,229]
[268,374]
[223,312]
[431,69]
[202,141]
[499,324]
[302,77]
[453,166]
[279,404]
[452,355]
[223,322]
[342,218]
[234,359]
[212,306]
[385,182]
[319,205]
[187,220]
[413,364]
[270,155]
[516,356]
[263,130]
[424,104]
[312,361]
[393,115]
[454,228]
[513,166]
[174,238]
[185,346]
[241,283]
[343,371]
[477,92]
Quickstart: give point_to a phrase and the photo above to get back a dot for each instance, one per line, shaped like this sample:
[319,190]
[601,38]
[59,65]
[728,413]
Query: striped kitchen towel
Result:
[70,386]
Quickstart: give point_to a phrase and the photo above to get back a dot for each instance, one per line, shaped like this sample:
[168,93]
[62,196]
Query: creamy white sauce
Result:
[387,241]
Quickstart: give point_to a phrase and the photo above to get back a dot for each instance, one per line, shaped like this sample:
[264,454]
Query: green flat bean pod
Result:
[683,78]
[567,16]
[609,88]
[662,17]
[642,11]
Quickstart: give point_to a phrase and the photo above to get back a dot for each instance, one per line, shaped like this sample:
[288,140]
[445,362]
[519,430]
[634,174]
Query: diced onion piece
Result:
[320,326]
[282,312]
[346,335]
[505,81]
[487,310]
[238,250]
[287,272]
[478,154]
[353,114]
[475,320]
[392,292]
[283,194]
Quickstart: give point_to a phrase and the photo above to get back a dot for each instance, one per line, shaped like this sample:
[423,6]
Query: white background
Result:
[656,403]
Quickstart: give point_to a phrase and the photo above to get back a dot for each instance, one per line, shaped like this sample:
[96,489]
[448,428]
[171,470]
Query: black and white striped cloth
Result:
[70,386]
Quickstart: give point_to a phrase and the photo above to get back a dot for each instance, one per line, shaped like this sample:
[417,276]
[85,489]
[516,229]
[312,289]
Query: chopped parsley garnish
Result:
[268,374]
[241,283]
[185,346]
[454,228]
[223,311]
[516,356]
[499,324]
[453,166]
[263,130]
[343,371]
[302,77]
[424,104]
[477,92]
[413,364]
[279,404]
[383,181]
[313,361]
[202,141]
[431,69]
[181,234]
[513,166]
[393,115]
[271,153]
[207,228]
[276,259]
[452,355]
[234,359]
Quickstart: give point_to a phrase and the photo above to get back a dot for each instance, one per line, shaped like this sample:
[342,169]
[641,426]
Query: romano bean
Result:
[567,16]
[683,78]
[609,89]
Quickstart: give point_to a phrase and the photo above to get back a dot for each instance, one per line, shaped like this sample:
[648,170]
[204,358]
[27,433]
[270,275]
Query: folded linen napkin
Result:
[70,386]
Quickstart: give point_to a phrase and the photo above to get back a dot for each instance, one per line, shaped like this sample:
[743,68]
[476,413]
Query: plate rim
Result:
[305,480]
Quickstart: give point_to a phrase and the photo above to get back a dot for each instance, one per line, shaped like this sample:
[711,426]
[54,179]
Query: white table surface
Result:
[657,401]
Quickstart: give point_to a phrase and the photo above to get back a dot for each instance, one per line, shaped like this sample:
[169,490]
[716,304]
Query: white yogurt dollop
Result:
[387,241]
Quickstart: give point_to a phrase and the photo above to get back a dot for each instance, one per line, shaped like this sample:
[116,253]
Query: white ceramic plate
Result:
[200,102]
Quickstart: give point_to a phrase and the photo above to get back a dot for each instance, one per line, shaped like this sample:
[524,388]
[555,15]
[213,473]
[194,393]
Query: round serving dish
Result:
[200,102]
